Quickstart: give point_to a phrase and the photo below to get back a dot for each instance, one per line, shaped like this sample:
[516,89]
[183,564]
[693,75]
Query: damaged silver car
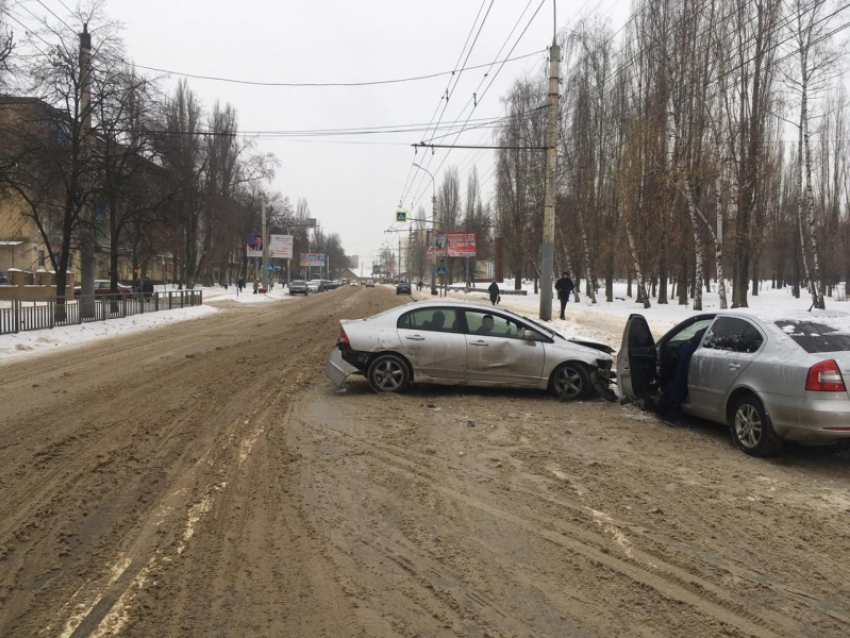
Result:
[770,376]
[467,344]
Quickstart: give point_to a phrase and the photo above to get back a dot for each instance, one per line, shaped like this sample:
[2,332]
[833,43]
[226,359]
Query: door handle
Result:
[734,366]
[480,344]
[415,338]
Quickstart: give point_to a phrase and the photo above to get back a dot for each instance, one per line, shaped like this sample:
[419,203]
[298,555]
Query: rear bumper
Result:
[337,369]
[809,421]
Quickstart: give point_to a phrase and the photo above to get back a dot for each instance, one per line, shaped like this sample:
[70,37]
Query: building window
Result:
[41,259]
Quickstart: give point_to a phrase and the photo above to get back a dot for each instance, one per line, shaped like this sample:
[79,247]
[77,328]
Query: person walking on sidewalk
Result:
[564,287]
[495,293]
[256,285]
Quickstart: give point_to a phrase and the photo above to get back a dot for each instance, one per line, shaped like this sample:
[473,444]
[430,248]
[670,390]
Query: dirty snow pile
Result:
[218,294]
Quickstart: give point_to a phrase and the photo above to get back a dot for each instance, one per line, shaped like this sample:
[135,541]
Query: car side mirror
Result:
[529,336]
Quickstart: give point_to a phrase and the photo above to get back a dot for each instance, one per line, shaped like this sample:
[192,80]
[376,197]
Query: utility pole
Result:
[265,245]
[433,230]
[88,264]
[547,248]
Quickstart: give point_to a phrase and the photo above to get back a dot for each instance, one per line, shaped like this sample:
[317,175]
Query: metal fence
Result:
[19,315]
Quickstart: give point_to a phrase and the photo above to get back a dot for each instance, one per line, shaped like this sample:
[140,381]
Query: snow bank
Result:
[279,293]
[39,342]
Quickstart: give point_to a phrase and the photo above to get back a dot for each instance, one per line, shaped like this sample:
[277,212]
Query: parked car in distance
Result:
[460,343]
[402,288]
[370,284]
[314,286]
[770,376]
[298,287]
[103,287]
[353,284]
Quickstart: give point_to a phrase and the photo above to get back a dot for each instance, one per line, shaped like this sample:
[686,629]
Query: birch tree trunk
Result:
[814,284]
[642,293]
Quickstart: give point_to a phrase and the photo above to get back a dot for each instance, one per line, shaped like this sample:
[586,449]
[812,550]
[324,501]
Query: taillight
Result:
[825,377]
[343,338]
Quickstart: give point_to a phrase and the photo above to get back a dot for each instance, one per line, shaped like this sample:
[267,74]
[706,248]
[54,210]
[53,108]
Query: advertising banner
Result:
[280,246]
[255,245]
[312,260]
[460,244]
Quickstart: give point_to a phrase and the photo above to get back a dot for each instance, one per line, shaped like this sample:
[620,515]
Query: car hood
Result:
[574,348]
[592,344]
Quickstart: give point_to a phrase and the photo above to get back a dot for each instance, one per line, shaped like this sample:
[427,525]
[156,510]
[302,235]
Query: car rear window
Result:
[819,335]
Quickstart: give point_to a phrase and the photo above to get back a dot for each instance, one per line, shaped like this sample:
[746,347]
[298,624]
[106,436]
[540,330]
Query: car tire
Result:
[751,428]
[388,373]
[571,382]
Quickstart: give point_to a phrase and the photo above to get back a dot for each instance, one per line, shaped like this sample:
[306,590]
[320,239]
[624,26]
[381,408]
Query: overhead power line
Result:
[418,189]
[53,13]
[415,78]
[486,89]
[447,94]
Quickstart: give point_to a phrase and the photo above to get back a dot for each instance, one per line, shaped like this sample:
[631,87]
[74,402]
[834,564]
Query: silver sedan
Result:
[466,344]
[770,376]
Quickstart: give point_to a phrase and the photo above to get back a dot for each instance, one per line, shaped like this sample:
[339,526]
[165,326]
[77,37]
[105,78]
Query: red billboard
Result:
[460,244]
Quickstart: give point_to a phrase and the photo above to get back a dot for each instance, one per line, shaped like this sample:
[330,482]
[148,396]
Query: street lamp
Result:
[433,230]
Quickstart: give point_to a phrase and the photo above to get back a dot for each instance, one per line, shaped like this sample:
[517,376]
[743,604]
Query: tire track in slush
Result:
[107,607]
[671,582]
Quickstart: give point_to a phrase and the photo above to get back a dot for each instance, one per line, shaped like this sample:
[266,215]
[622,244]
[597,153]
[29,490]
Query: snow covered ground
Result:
[605,321]
[217,294]
[27,344]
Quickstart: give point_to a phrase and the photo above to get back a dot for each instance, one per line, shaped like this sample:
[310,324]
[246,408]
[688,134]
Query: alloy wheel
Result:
[388,375]
[748,425]
[568,383]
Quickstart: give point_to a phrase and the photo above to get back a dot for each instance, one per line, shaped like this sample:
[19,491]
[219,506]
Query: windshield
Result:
[819,335]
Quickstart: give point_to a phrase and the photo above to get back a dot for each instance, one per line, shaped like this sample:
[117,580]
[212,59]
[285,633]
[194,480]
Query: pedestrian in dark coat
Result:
[495,293]
[564,287]
[147,288]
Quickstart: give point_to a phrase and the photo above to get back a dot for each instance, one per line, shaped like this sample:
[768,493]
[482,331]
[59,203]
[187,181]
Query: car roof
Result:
[472,305]
[767,316]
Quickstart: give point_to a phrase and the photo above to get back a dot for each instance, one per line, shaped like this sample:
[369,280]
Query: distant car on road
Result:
[370,284]
[353,284]
[402,288]
[314,286]
[466,344]
[103,287]
[770,377]
[298,287]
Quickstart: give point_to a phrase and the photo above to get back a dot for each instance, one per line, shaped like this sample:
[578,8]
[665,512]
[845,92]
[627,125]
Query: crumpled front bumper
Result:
[337,369]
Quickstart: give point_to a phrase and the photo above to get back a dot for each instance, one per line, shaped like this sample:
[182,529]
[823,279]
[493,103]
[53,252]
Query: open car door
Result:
[636,361]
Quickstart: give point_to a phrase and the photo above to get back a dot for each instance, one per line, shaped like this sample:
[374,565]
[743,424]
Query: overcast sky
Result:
[352,184]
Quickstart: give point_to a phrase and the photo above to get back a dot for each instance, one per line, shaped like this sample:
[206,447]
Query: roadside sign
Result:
[441,270]
[280,246]
[401,216]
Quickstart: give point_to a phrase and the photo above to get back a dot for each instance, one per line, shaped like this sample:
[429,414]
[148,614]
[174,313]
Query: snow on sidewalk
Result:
[278,293]
[15,347]
[220,293]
